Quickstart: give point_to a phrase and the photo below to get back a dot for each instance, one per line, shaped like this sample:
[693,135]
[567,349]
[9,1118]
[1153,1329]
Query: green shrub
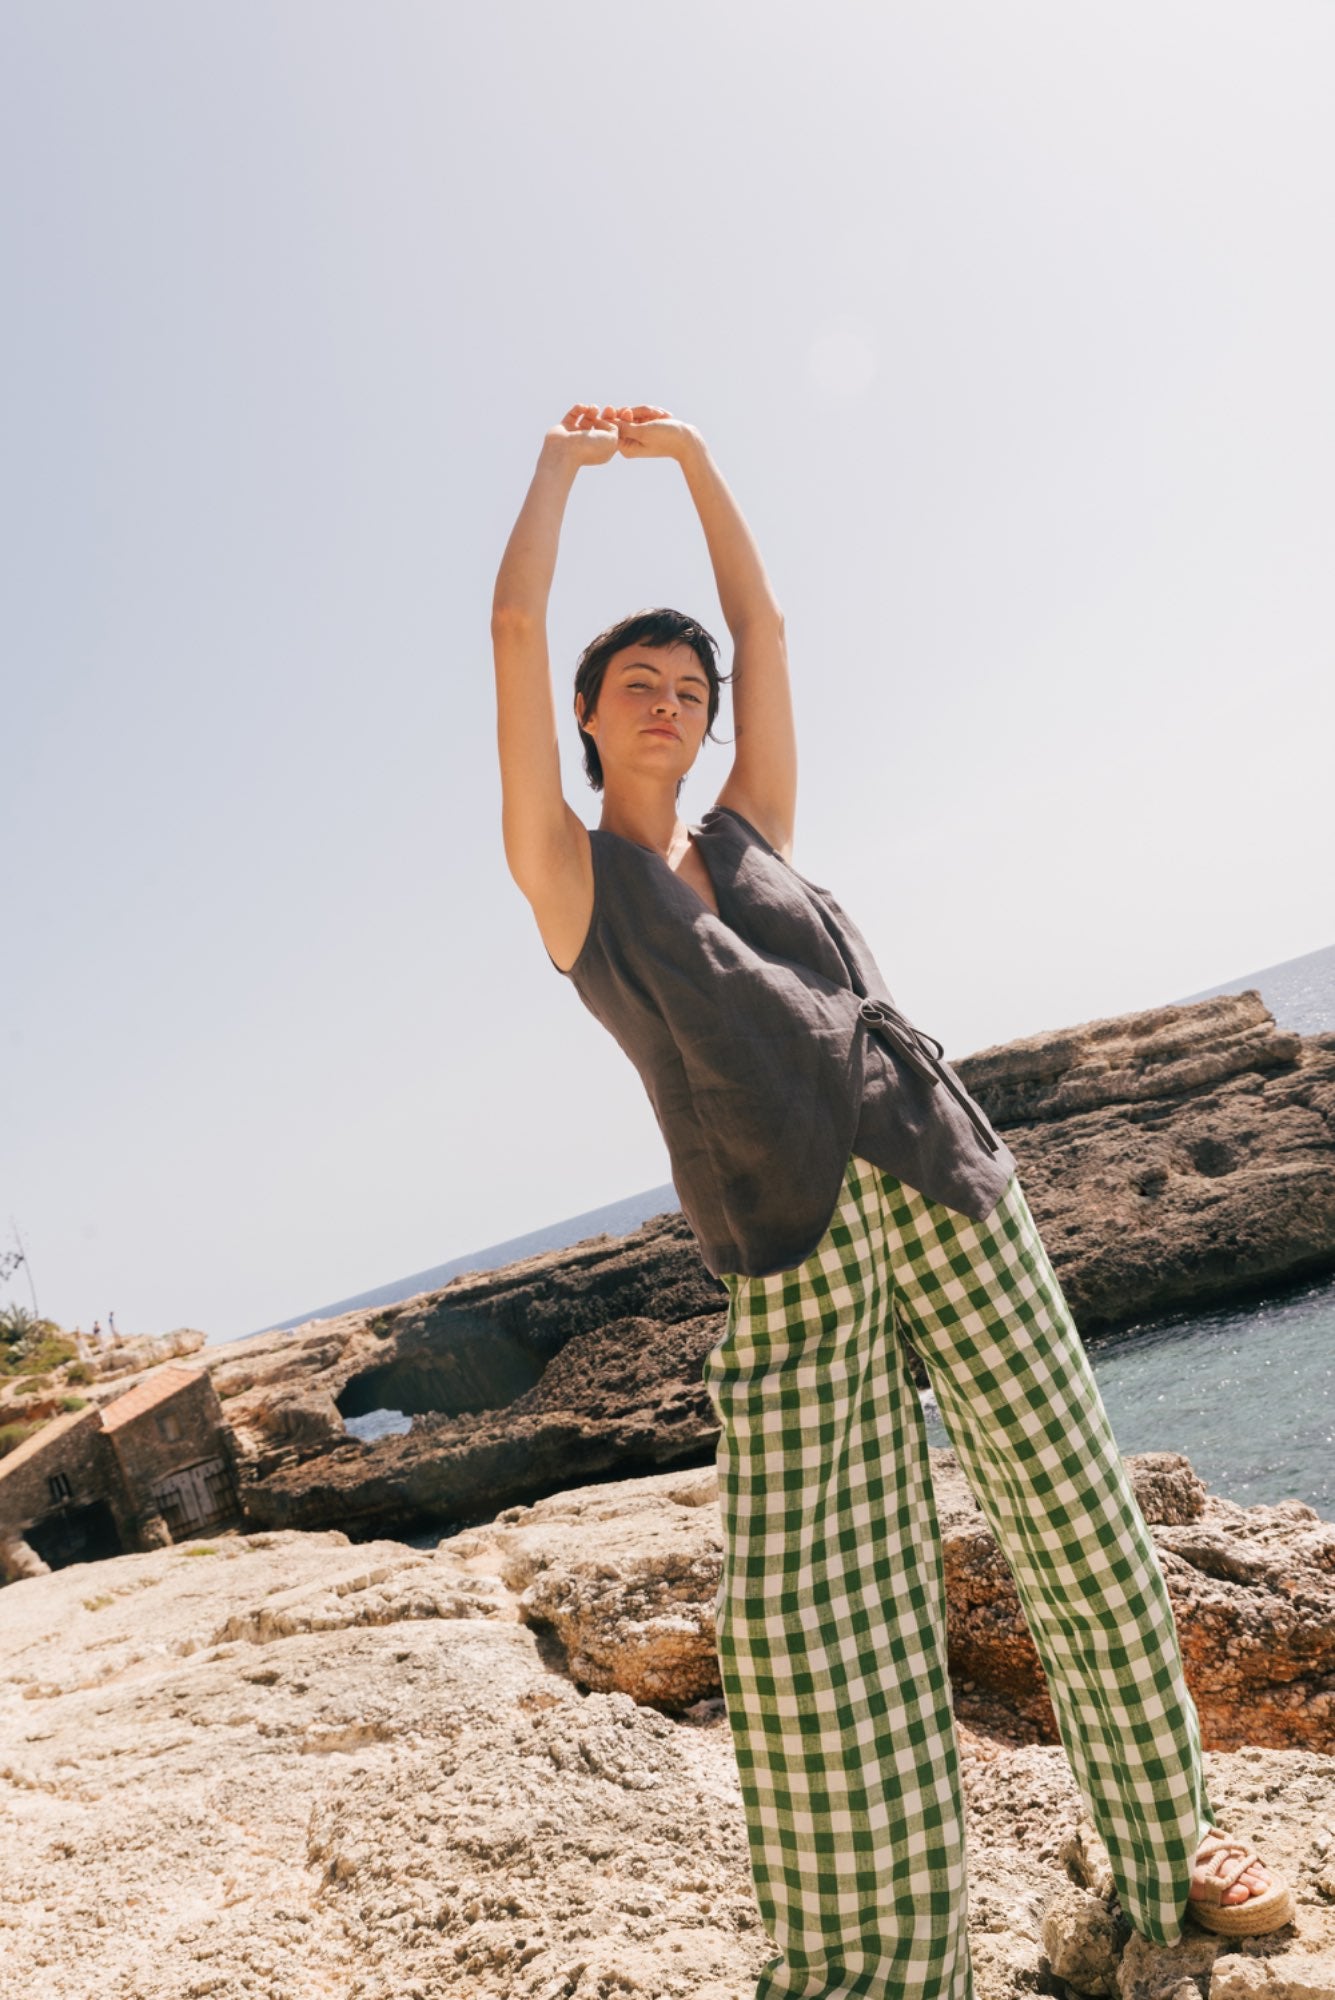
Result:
[49,1353]
[12,1435]
[16,1323]
[74,1402]
[28,1343]
[21,1328]
[78,1371]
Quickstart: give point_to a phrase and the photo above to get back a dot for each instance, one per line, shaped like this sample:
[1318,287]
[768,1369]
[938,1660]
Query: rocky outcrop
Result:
[477,1344]
[621,1397]
[1253,1589]
[285,1764]
[624,1577]
[551,1371]
[130,1353]
[1253,1592]
[1171,1157]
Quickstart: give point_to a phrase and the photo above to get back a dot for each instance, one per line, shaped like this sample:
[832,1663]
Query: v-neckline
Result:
[676,876]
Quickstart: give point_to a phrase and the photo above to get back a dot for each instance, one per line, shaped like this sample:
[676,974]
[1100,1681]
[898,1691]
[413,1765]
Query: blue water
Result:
[1246,1391]
[1300,993]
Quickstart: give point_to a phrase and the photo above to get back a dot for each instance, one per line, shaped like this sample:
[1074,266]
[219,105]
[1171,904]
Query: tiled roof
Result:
[164,1382]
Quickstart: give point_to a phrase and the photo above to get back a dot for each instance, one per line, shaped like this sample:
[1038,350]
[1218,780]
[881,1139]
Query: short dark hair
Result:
[655,628]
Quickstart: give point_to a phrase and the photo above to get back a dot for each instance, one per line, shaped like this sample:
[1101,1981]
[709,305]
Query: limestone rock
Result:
[351,1792]
[624,1575]
[289,1764]
[1168,1972]
[18,1560]
[477,1344]
[1293,1976]
[1085,1859]
[128,1354]
[627,1396]
[1080,1937]
[1253,1591]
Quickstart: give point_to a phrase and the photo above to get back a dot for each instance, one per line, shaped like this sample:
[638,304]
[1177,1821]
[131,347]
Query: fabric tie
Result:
[925,1054]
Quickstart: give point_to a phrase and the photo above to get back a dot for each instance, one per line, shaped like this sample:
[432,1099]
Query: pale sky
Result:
[1009,327]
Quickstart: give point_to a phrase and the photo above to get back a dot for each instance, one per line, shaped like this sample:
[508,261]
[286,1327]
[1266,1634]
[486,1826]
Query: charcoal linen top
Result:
[770,1047]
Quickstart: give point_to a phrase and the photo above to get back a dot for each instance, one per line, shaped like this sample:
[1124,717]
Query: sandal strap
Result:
[1215,1870]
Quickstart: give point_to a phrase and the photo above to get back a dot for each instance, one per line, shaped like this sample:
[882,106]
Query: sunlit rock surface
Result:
[288,1765]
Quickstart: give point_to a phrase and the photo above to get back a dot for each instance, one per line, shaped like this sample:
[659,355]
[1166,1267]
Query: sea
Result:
[1247,1390]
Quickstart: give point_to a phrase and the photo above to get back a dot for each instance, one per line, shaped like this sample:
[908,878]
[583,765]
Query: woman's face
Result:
[652,710]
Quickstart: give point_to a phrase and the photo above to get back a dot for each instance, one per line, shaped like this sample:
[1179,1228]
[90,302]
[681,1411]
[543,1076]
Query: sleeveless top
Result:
[770,1047]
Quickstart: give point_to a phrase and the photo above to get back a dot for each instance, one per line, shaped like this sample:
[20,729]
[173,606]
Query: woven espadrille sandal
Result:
[1226,1862]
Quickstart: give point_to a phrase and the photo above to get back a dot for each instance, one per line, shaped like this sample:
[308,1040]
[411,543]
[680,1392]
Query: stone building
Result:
[155,1465]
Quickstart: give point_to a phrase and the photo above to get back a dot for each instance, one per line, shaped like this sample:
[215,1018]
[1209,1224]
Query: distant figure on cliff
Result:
[851,1196]
[97,1329]
[111,1325]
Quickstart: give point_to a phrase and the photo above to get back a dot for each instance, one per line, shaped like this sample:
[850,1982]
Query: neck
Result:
[648,817]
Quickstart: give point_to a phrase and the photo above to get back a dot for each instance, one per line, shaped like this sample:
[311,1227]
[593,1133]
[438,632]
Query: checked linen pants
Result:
[831,1621]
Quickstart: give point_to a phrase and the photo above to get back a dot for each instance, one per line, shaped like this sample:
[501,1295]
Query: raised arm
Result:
[546,844]
[762,784]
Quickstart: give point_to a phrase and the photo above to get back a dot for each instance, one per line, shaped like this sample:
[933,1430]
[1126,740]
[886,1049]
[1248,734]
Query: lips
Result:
[660,729]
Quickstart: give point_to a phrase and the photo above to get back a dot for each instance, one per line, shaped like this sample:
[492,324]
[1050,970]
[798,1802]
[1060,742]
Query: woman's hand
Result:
[585,435]
[646,431]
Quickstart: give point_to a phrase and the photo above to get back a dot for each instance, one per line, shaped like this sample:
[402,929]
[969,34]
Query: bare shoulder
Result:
[766,818]
[559,888]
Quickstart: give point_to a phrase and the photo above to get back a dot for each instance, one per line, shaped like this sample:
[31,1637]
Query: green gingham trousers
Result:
[830,1614]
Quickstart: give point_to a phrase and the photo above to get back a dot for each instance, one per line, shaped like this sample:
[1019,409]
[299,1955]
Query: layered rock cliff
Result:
[1172,1157]
[1177,1156]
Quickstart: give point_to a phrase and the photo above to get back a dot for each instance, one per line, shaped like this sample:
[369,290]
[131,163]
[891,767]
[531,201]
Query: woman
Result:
[852,1196]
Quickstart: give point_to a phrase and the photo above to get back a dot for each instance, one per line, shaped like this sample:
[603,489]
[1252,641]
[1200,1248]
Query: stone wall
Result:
[175,1458]
[70,1450]
[143,1470]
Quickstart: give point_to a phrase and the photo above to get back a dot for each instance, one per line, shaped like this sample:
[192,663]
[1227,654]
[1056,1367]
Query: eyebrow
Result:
[637,666]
